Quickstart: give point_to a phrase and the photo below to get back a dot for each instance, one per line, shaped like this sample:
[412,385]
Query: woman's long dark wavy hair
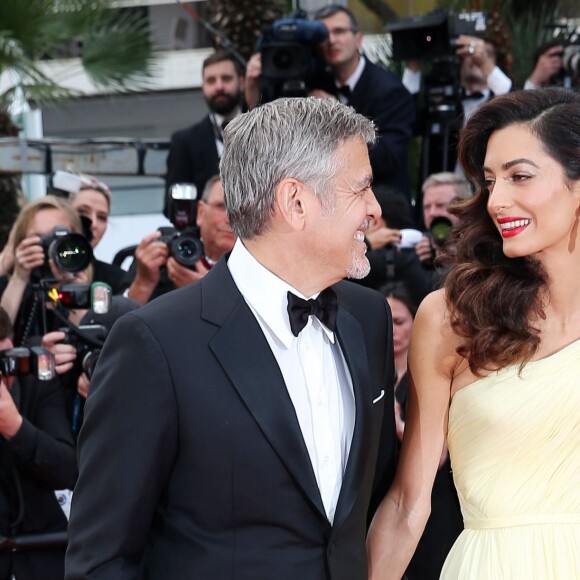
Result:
[492,298]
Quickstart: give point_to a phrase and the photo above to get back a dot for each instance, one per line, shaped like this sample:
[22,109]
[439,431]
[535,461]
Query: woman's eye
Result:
[488,183]
[520,177]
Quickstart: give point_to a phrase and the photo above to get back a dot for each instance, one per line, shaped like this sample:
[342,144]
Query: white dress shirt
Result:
[313,368]
[218,121]
[352,79]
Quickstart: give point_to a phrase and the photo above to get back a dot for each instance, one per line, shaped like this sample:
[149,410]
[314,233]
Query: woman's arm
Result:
[403,513]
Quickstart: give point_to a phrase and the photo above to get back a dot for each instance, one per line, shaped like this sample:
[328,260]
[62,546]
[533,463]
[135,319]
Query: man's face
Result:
[222,87]
[336,234]
[471,71]
[213,224]
[343,44]
[436,199]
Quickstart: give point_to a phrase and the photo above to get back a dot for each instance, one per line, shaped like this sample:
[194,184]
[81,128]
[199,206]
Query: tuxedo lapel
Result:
[352,343]
[244,353]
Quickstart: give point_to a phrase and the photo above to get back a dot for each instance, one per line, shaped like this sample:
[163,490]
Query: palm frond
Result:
[116,48]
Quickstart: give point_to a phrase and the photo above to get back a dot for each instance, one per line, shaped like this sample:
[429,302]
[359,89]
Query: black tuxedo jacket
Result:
[192,462]
[193,157]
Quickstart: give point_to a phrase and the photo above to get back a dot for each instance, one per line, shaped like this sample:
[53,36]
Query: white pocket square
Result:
[379,397]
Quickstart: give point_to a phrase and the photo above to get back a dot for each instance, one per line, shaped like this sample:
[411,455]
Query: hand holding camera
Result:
[64,354]
[28,255]
[182,276]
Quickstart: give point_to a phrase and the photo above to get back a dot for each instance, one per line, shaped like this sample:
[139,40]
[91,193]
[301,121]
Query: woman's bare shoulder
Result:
[433,332]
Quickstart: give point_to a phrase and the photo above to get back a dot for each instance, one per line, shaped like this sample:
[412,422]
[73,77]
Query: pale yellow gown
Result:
[514,443]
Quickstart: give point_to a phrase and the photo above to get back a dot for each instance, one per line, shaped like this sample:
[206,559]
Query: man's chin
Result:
[360,268]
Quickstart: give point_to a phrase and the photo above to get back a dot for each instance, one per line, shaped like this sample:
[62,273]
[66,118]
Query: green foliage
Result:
[116,49]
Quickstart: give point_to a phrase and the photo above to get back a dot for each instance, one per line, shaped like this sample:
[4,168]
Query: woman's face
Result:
[93,205]
[46,220]
[533,207]
[402,325]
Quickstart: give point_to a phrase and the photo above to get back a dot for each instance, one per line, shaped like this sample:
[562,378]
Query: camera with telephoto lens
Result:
[183,241]
[20,361]
[70,252]
[290,60]
[88,340]
[571,60]
[440,230]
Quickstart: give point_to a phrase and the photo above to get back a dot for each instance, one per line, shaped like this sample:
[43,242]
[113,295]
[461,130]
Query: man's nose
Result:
[374,209]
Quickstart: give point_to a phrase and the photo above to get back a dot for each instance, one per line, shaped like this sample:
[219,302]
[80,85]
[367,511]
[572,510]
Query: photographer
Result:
[37,456]
[152,255]
[371,90]
[75,358]
[91,199]
[455,85]
[439,190]
[33,233]
[547,66]
[390,241]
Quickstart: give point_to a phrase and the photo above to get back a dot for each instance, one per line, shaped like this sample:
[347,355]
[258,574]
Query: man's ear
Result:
[290,202]
[200,210]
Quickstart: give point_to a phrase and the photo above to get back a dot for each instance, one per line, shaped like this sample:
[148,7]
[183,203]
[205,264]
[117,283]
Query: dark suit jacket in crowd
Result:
[193,465]
[380,96]
[37,460]
[193,157]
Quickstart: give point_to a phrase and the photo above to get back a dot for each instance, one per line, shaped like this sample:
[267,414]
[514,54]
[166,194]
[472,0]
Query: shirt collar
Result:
[265,293]
[355,76]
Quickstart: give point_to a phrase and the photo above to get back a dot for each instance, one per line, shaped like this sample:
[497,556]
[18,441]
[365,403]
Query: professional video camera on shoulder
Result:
[183,240]
[433,36]
[290,60]
[20,361]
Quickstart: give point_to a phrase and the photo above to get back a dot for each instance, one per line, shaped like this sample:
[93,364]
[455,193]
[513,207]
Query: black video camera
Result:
[183,240]
[70,252]
[290,60]
[25,361]
[433,35]
[88,340]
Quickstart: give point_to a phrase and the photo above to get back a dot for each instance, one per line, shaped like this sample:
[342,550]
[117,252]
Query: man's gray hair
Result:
[286,138]
[462,187]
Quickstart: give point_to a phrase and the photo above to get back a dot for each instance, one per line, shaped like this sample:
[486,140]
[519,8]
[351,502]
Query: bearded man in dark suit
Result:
[243,426]
[194,152]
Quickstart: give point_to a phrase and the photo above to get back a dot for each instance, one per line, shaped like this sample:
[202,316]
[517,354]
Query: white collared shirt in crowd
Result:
[352,79]
[313,368]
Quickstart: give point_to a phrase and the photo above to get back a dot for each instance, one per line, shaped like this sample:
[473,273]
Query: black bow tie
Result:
[324,308]
[344,91]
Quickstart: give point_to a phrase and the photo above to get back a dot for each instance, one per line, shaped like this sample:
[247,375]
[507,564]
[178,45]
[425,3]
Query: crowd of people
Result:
[252,414]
